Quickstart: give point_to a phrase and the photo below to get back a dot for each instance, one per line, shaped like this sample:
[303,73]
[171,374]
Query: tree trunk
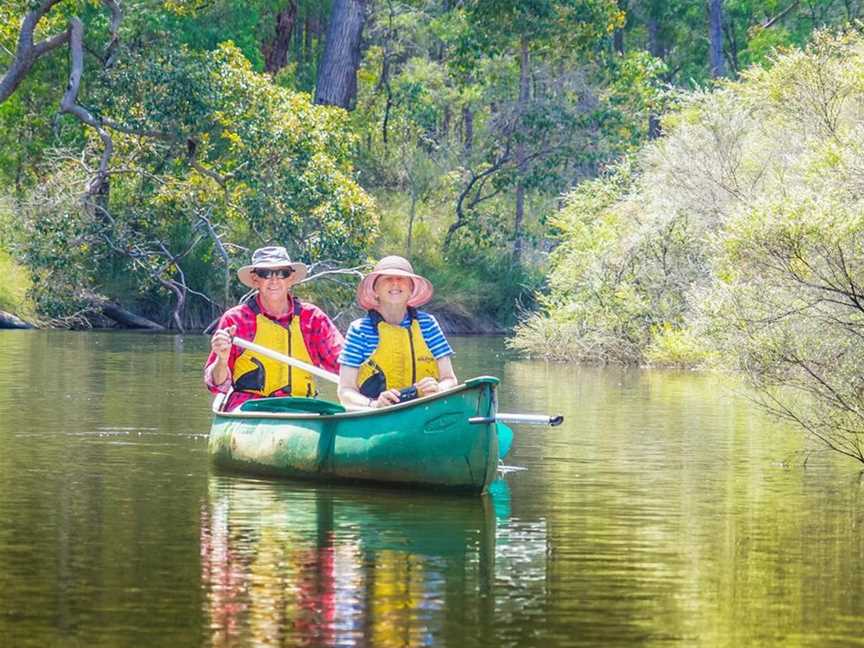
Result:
[10,321]
[618,41]
[521,164]
[445,123]
[618,36]
[468,126]
[715,38]
[658,50]
[121,315]
[29,51]
[412,214]
[337,72]
[654,130]
[276,49]
[307,39]
[384,82]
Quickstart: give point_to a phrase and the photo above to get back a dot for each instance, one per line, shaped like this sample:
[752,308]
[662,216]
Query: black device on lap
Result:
[407,394]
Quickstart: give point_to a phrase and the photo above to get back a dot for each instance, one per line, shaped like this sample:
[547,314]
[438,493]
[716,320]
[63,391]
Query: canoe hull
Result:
[426,443]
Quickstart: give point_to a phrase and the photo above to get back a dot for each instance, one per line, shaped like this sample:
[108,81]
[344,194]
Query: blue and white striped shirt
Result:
[361,340]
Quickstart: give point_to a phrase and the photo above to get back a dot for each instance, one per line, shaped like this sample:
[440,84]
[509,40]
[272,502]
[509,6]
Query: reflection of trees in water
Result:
[283,564]
[520,563]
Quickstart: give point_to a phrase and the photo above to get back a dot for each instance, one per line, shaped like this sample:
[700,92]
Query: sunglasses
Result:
[282,273]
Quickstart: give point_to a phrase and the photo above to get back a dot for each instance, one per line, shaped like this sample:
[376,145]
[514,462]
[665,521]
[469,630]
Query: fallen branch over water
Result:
[10,321]
[114,311]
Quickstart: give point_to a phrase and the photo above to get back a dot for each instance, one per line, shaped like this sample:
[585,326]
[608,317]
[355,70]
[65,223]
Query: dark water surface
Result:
[660,513]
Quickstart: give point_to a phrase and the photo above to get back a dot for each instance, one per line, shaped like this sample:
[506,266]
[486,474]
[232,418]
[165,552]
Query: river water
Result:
[665,511]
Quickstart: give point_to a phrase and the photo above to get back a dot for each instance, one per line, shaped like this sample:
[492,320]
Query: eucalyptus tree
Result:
[204,159]
[337,72]
[715,38]
[692,38]
[554,33]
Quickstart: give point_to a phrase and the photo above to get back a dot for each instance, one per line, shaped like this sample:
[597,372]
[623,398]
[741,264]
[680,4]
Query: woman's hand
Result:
[220,343]
[427,385]
[385,398]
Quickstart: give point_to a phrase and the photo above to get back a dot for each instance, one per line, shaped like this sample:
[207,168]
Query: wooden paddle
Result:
[281,357]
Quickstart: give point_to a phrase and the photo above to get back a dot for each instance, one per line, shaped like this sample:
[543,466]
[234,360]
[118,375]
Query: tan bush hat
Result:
[393,266]
[271,258]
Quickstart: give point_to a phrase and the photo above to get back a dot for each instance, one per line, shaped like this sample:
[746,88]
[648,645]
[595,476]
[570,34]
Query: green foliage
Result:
[443,127]
[476,288]
[612,278]
[28,119]
[737,239]
[236,157]
[498,25]
[677,347]
[487,289]
[786,307]
[16,280]
[13,290]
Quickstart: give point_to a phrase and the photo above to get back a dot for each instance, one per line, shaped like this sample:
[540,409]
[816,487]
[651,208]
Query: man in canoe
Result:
[276,319]
[395,352]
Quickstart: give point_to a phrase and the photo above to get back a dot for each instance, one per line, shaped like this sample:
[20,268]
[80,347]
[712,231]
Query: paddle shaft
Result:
[523,419]
[281,357]
[530,419]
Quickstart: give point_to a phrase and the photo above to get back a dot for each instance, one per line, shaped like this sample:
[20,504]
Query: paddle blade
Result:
[505,439]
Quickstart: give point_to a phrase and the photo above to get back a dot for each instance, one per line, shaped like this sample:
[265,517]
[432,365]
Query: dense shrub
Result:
[737,238]
[239,163]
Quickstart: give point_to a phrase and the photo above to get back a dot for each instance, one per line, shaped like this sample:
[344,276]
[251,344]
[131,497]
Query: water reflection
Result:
[326,567]
[659,513]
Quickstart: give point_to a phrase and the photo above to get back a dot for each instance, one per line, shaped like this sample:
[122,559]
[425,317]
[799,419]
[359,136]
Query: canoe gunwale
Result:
[235,414]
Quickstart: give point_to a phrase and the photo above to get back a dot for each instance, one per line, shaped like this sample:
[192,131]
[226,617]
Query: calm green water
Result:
[660,513]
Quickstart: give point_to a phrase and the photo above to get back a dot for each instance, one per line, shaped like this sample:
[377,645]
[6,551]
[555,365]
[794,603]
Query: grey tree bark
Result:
[10,321]
[28,52]
[467,129]
[658,49]
[618,36]
[715,38]
[521,157]
[337,72]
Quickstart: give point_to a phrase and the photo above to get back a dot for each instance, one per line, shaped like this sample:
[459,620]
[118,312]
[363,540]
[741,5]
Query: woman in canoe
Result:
[395,352]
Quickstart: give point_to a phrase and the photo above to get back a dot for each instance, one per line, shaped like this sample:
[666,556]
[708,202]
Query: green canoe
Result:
[428,442]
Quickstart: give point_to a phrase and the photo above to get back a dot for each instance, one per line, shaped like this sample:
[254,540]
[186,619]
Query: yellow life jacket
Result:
[257,374]
[401,358]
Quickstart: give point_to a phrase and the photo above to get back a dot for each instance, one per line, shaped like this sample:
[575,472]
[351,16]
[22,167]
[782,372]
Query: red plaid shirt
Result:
[323,341]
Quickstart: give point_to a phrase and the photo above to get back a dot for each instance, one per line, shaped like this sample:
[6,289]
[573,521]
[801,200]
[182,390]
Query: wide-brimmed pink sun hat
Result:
[393,266]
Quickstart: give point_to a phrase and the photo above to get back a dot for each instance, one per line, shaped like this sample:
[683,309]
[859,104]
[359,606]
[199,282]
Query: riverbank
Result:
[452,321]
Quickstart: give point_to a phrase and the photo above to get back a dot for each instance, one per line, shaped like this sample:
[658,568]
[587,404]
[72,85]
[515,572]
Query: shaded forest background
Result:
[147,146]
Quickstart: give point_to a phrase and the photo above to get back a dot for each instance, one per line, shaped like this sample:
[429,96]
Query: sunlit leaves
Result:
[738,236]
[211,142]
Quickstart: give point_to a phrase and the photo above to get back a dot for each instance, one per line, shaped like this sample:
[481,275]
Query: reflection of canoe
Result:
[295,564]
[377,519]
[427,442]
